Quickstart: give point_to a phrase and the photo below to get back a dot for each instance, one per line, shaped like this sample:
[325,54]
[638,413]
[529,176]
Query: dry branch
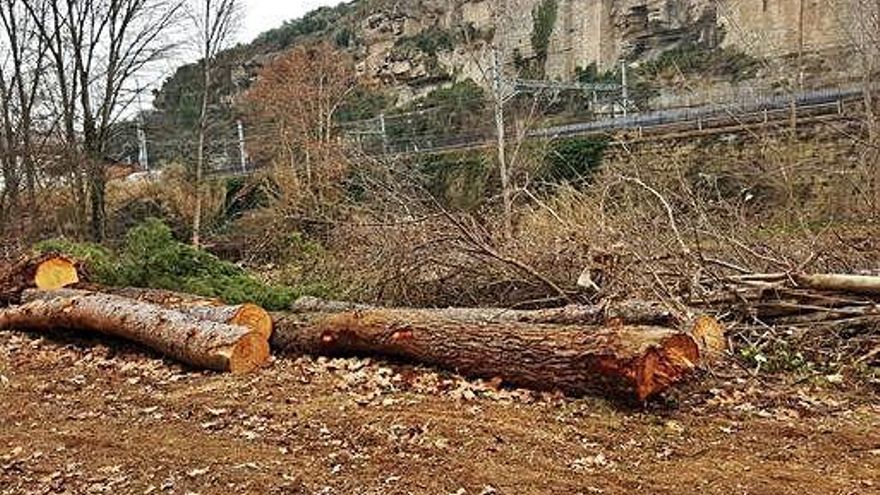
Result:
[853,284]
[186,338]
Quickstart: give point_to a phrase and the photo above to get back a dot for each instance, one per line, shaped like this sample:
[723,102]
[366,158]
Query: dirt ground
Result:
[83,416]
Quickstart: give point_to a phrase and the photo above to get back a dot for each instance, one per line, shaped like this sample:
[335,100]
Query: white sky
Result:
[262,15]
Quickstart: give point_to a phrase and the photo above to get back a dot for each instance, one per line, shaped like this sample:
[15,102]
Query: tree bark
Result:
[625,361]
[207,308]
[631,312]
[48,271]
[186,338]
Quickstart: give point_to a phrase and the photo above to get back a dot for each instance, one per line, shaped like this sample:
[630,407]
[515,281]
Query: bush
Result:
[430,42]
[573,159]
[694,60]
[151,257]
[458,180]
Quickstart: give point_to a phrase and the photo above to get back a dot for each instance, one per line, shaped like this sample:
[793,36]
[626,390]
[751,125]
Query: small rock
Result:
[192,473]
[836,379]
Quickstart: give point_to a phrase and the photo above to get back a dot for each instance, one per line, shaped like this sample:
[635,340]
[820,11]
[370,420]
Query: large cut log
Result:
[48,271]
[208,308]
[632,312]
[634,361]
[186,338]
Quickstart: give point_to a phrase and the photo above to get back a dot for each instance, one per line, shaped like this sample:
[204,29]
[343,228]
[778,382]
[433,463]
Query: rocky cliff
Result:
[415,45]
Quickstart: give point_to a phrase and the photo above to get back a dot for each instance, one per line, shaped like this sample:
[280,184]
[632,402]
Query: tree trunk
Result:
[199,343]
[633,312]
[627,361]
[48,271]
[247,315]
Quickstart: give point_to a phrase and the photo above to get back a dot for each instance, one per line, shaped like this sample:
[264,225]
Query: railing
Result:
[750,105]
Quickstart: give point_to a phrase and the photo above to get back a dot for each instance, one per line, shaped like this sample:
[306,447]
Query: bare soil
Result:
[86,415]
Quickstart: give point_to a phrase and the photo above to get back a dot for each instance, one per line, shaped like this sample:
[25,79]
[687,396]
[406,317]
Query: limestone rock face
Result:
[418,45]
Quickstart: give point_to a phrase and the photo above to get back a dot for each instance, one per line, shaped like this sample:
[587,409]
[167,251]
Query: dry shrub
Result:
[661,221]
[172,198]
[658,221]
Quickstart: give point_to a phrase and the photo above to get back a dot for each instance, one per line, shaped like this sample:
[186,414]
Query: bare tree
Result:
[215,22]
[298,95]
[22,65]
[859,22]
[97,47]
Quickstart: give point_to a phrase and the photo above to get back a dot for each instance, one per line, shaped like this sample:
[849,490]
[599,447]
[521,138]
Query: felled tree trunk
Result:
[633,361]
[48,271]
[197,342]
[208,308]
[633,312]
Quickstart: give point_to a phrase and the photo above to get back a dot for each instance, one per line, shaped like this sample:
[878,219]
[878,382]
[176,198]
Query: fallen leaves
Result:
[319,425]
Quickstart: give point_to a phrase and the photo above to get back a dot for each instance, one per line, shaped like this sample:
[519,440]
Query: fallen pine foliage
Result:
[186,338]
[152,257]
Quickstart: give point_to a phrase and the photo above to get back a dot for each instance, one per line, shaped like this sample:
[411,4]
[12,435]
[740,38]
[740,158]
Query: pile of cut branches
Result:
[834,314]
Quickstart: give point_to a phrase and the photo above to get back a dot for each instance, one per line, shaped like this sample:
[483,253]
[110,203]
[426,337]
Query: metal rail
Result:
[751,111]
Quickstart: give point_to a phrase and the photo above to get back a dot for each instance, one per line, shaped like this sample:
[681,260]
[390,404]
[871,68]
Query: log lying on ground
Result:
[48,271]
[208,308]
[633,312]
[186,338]
[631,361]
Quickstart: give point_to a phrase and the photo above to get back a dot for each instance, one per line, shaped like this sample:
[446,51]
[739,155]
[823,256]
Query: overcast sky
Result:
[259,16]
[262,15]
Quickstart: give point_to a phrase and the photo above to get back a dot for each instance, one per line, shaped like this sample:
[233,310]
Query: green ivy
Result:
[573,159]
[543,21]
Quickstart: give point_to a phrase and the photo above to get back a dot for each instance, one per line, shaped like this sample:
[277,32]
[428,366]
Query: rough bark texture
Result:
[208,308]
[186,338]
[48,271]
[633,361]
[161,297]
[632,312]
